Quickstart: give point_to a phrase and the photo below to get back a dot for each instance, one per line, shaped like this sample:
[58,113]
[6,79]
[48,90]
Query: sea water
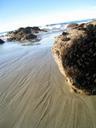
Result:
[47,38]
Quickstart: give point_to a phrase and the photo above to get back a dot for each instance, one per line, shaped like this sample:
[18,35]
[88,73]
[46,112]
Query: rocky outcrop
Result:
[24,34]
[73,25]
[92,22]
[76,26]
[1,41]
[75,54]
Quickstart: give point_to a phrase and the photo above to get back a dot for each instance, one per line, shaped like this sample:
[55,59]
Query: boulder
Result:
[76,58]
[1,41]
[23,34]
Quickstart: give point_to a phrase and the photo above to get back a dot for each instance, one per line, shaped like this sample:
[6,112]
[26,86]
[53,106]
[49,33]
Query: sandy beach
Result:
[33,93]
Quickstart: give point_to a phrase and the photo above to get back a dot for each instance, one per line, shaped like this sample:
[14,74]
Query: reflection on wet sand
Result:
[33,94]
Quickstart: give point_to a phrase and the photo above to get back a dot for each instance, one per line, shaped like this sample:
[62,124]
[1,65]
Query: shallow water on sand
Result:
[34,94]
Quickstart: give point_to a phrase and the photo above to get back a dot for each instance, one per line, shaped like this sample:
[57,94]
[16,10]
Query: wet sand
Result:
[33,93]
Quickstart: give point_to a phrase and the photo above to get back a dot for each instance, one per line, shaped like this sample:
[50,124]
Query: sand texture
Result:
[33,94]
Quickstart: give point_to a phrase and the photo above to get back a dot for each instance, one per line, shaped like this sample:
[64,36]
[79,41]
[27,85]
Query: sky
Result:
[21,13]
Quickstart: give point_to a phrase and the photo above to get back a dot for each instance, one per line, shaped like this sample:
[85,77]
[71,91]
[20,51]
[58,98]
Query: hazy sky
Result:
[16,13]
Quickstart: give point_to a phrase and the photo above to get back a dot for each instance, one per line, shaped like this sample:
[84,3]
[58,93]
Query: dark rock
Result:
[77,58]
[64,33]
[23,34]
[72,26]
[29,36]
[20,29]
[1,41]
[81,25]
[36,29]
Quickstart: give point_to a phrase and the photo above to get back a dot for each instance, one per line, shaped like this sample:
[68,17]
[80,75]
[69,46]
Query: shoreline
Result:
[34,93]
